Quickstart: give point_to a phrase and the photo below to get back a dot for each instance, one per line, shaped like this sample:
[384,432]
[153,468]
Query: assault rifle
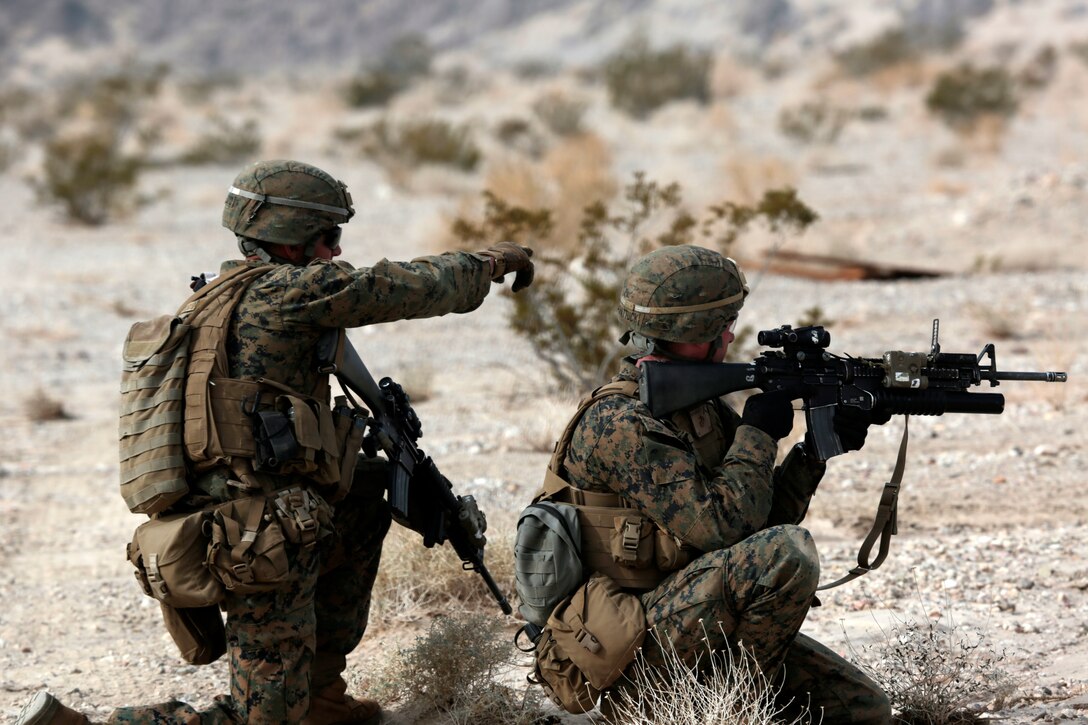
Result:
[420,497]
[915,383]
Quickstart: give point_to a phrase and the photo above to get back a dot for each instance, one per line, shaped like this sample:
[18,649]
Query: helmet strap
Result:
[251,248]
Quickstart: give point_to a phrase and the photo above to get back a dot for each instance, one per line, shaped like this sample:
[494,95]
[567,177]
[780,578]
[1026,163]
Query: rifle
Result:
[904,383]
[907,383]
[420,497]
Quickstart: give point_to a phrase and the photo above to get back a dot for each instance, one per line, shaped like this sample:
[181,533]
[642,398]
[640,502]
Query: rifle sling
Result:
[884,526]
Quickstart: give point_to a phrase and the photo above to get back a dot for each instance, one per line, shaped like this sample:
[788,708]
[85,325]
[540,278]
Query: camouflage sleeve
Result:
[618,447]
[333,294]
[795,482]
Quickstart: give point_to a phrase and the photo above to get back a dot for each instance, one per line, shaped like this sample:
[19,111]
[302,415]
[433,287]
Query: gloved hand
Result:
[509,257]
[771,412]
[852,425]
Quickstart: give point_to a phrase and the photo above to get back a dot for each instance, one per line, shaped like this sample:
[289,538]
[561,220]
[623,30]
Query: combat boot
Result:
[44,709]
[333,706]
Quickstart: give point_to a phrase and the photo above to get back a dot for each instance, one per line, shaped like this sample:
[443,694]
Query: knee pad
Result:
[794,561]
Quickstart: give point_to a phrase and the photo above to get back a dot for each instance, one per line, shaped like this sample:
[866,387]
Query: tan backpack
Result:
[156,363]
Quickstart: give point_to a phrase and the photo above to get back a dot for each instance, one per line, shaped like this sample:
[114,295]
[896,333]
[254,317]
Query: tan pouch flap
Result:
[600,629]
[149,337]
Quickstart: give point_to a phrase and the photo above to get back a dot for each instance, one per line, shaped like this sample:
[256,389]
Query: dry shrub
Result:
[562,113]
[91,166]
[569,314]
[752,176]
[641,79]
[582,169]
[935,671]
[451,674]
[225,142]
[415,582]
[418,382]
[575,173]
[813,121]
[963,95]
[719,687]
[40,407]
[408,144]
[407,59]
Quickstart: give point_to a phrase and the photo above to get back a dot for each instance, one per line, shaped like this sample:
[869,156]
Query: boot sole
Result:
[39,710]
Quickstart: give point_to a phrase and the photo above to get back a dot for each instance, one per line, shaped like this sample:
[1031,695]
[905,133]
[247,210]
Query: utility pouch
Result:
[632,542]
[349,426]
[273,434]
[198,632]
[247,551]
[624,552]
[169,554]
[589,640]
[303,516]
[670,554]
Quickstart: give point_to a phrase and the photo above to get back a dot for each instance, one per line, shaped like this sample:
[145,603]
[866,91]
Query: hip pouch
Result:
[249,538]
[589,640]
[197,631]
[169,554]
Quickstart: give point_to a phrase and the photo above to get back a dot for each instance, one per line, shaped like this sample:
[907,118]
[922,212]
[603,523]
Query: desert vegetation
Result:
[903,146]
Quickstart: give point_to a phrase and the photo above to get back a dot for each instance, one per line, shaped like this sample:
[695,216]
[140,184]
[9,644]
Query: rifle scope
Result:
[813,336]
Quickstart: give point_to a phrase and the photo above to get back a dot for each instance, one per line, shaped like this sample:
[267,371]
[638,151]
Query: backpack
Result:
[547,558]
[156,365]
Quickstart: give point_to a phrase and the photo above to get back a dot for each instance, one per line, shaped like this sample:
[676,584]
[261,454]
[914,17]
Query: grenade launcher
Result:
[420,497]
[915,383]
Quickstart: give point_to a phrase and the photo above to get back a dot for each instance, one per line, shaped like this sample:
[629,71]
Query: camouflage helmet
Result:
[682,293]
[286,202]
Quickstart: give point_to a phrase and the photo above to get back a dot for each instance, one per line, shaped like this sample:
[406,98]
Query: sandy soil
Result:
[992,515]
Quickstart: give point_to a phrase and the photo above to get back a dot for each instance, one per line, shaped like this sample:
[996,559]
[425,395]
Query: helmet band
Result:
[289,202]
[686,308]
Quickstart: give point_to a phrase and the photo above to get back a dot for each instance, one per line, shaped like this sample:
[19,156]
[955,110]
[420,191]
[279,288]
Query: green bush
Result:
[569,312]
[963,95]
[641,79]
[225,143]
[407,59]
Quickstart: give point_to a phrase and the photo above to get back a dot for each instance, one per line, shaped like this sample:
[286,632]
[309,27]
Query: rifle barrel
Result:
[1041,377]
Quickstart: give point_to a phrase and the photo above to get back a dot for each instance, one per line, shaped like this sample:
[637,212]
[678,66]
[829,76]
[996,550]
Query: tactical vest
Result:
[181,411]
[156,357]
[617,539]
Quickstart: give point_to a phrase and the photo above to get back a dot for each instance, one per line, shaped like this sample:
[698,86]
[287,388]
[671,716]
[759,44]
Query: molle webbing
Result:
[153,380]
[611,529]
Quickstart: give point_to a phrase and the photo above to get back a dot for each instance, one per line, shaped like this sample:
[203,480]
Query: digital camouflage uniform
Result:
[285,644]
[708,477]
[712,483]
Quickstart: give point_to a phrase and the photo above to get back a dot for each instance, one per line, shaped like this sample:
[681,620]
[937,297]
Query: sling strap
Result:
[884,525]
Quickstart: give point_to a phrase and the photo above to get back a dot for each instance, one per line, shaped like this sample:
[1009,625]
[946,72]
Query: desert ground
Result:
[992,516]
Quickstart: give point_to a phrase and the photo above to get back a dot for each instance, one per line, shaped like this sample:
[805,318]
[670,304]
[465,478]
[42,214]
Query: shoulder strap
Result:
[553,482]
[203,296]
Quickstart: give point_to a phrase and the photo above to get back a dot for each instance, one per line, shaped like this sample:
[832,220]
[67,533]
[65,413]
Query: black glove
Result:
[771,412]
[852,425]
[509,257]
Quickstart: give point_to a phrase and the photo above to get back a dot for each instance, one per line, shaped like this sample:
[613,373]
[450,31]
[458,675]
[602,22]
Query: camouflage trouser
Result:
[756,595]
[284,644]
